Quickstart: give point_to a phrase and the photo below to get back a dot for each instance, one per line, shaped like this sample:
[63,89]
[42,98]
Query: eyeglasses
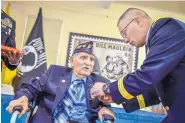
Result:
[122,32]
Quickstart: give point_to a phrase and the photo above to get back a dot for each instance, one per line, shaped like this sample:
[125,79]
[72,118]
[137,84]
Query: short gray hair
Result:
[133,11]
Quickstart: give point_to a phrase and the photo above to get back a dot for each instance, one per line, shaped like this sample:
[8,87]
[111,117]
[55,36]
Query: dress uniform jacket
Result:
[163,69]
[141,101]
[52,87]
[7,35]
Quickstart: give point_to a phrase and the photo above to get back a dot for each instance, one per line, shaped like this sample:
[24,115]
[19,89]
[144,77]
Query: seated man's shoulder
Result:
[99,78]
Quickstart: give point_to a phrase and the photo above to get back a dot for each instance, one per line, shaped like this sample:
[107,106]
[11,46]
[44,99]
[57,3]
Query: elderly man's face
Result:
[82,63]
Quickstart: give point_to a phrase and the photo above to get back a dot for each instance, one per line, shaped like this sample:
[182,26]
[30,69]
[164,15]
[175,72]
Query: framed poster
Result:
[114,58]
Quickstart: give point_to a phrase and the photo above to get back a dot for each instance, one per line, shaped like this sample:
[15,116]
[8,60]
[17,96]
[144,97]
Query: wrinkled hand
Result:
[106,99]
[96,90]
[107,111]
[13,57]
[159,109]
[22,101]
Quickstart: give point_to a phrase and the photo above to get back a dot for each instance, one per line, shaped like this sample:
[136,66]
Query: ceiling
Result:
[173,6]
[170,6]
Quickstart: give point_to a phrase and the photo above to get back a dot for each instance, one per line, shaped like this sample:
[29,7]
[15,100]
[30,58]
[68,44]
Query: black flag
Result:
[33,63]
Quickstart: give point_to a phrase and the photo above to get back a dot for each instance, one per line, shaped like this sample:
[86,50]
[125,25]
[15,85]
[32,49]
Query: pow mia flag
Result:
[33,63]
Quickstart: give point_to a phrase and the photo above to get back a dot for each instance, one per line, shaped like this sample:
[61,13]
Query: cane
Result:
[16,111]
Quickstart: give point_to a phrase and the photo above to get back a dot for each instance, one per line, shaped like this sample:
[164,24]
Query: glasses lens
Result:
[123,34]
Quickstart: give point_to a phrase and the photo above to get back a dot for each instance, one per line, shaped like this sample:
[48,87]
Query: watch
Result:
[106,88]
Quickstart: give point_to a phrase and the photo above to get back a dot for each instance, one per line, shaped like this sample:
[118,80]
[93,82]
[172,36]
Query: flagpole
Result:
[60,43]
[24,33]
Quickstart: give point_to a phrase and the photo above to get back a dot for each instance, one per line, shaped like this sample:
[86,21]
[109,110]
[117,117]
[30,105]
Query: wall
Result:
[81,17]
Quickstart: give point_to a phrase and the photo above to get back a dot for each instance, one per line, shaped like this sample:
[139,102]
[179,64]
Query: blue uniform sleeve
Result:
[34,87]
[166,52]
[141,101]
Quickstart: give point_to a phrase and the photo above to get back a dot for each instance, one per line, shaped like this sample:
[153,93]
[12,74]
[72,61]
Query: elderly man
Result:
[64,92]
[163,68]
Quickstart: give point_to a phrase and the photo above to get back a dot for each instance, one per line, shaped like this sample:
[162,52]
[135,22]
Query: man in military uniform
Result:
[163,68]
[10,59]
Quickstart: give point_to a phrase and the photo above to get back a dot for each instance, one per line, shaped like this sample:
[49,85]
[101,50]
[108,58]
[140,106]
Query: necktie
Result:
[77,90]
[72,107]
